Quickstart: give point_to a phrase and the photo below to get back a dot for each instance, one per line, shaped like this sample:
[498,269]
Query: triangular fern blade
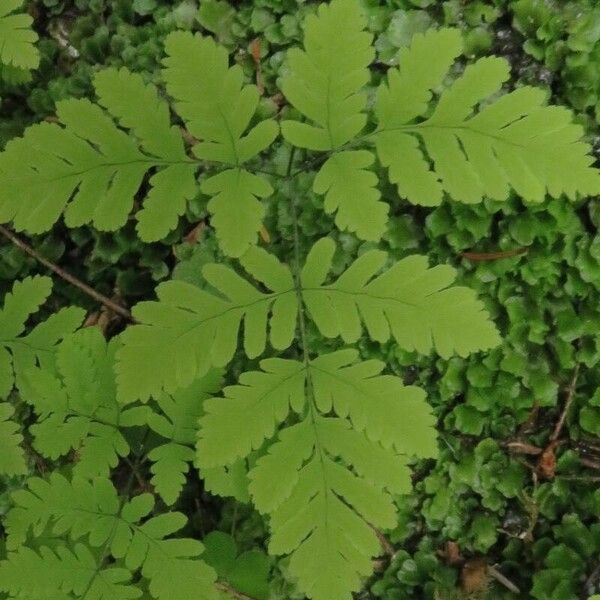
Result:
[327,480]
[90,513]
[76,407]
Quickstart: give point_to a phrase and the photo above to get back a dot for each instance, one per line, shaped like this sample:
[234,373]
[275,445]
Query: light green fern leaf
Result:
[12,458]
[77,408]
[326,83]
[91,169]
[190,329]
[217,107]
[250,412]
[327,480]
[138,107]
[325,80]
[19,352]
[349,188]
[229,481]
[63,573]
[177,422]
[414,304]
[478,147]
[91,511]
[17,38]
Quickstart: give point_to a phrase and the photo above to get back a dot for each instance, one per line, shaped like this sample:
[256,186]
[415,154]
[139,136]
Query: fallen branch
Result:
[507,583]
[493,255]
[86,289]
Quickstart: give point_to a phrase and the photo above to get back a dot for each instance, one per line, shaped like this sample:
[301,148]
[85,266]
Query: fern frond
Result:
[91,510]
[76,408]
[513,142]
[326,83]
[218,107]
[190,329]
[12,458]
[20,352]
[55,574]
[177,422]
[414,304]
[17,38]
[326,480]
[91,169]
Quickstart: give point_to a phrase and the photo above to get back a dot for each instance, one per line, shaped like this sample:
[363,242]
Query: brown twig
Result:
[519,447]
[569,400]
[588,462]
[493,255]
[86,289]
[593,576]
[227,589]
[586,478]
[500,578]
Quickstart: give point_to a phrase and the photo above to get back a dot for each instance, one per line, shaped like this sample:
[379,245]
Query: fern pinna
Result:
[320,443]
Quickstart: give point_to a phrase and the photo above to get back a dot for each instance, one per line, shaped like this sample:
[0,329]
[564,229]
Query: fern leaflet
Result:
[17,39]
[12,458]
[190,329]
[57,573]
[177,423]
[20,352]
[325,83]
[217,109]
[513,142]
[76,408]
[416,305]
[92,170]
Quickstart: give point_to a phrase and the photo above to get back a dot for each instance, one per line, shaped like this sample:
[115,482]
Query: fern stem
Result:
[310,394]
[86,289]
